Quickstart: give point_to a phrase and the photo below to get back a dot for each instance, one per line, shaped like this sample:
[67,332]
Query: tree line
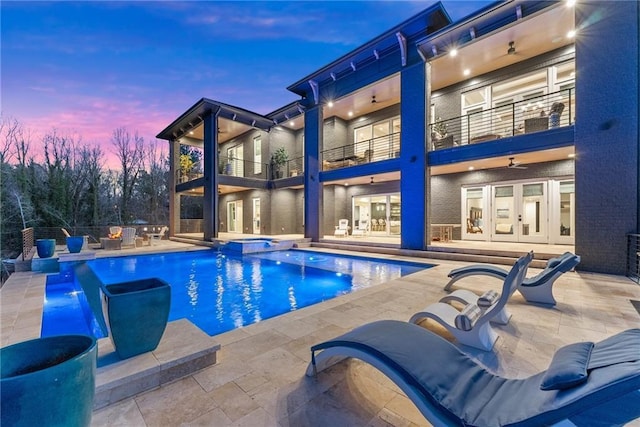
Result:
[67,184]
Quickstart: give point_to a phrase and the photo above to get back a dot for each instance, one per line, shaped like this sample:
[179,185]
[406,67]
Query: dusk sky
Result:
[87,68]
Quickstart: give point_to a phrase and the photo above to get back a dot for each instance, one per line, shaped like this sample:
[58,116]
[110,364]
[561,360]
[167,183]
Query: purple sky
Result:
[87,68]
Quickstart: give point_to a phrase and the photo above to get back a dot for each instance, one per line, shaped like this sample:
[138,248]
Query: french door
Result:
[234,216]
[520,213]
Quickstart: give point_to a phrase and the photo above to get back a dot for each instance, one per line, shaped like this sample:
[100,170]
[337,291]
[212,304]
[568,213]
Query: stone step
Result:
[183,350]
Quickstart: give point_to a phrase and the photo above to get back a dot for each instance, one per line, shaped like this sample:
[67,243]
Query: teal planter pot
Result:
[48,381]
[74,244]
[45,247]
[137,314]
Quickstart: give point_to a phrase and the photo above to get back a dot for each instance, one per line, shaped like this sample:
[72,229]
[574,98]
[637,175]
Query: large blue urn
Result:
[45,247]
[48,381]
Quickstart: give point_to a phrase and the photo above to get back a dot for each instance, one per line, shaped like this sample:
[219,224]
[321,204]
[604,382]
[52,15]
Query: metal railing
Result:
[243,168]
[532,115]
[367,151]
[292,167]
[633,257]
[28,241]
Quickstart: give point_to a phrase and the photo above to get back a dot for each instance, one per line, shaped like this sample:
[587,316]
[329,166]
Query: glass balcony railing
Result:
[532,115]
[370,150]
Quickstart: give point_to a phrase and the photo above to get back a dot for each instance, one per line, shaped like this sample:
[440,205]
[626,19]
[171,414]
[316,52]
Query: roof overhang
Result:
[429,20]
[195,115]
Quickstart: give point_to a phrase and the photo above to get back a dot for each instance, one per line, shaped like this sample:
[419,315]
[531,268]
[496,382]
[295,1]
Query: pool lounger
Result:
[538,288]
[471,326]
[584,382]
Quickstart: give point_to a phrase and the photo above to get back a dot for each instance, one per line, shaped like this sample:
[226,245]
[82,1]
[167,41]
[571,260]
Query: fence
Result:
[28,241]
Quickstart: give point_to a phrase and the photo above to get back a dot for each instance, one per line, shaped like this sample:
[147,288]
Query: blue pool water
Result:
[219,292]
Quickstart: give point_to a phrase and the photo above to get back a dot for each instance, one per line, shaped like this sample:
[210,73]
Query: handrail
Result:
[532,115]
[370,150]
[28,241]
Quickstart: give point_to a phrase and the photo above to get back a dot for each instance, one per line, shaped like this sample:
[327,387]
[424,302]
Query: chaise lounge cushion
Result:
[568,367]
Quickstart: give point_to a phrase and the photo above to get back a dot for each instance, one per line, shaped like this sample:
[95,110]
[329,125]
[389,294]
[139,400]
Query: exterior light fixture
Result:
[571,34]
[571,3]
[471,168]
[453,52]
[572,155]
[350,113]
[466,72]
[291,123]
[190,132]
[330,104]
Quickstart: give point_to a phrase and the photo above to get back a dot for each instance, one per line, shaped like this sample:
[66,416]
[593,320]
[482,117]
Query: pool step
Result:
[183,350]
[469,255]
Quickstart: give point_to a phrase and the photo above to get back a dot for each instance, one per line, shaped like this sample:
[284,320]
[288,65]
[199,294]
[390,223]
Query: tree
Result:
[130,151]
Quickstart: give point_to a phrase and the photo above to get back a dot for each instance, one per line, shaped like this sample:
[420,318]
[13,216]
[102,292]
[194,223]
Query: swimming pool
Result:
[221,291]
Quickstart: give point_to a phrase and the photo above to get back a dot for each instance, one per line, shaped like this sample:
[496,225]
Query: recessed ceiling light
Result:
[292,123]
[190,132]
[466,72]
[346,184]
[350,113]
[330,104]
[471,168]
[571,3]
[453,52]
[571,34]
[572,155]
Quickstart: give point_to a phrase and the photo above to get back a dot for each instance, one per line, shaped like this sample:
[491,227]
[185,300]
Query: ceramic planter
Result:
[137,313]
[48,381]
[75,243]
[45,247]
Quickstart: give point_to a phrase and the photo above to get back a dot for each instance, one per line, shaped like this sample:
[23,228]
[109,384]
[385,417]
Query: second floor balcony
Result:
[370,150]
[532,115]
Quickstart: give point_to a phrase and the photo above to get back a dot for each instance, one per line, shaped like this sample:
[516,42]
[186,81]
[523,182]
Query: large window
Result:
[257,155]
[378,141]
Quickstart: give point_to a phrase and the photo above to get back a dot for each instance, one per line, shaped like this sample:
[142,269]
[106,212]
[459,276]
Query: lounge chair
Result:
[471,326]
[450,388]
[362,229]
[128,236]
[157,236]
[538,288]
[342,229]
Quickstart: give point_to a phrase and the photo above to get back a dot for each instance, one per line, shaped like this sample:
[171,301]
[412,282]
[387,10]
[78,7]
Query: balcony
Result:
[367,151]
[532,115]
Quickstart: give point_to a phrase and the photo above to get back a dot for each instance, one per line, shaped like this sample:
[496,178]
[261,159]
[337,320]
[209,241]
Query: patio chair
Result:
[362,229]
[128,236]
[538,289]
[342,229]
[157,236]
[584,382]
[472,326]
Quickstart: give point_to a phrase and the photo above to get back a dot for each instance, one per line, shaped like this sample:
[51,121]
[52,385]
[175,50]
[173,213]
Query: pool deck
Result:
[259,378]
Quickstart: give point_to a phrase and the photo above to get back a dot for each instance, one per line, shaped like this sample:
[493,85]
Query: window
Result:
[257,155]
[378,141]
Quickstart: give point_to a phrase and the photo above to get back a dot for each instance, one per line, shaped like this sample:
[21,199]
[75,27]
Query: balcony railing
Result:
[532,115]
[370,150]
[243,168]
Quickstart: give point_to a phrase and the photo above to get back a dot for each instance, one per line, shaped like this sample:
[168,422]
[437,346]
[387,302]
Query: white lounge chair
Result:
[128,236]
[157,236]
[342,229]
[584,381]
[471,326]
[362,229]
[538,288]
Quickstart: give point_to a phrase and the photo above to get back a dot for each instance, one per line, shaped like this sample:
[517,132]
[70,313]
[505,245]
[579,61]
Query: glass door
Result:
[474,211]
[520,213]
[382,213]
[234,216]
[379,215]
[562,212]
[256,216]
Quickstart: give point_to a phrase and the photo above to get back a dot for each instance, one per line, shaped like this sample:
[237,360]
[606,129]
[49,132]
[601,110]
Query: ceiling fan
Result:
[512,48]
[514,164]
[373,99]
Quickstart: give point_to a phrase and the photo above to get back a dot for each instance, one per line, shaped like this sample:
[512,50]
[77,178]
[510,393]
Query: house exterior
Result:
[518,123]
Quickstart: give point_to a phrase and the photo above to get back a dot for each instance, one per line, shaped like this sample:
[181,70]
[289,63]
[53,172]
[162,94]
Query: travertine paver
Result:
[259,379]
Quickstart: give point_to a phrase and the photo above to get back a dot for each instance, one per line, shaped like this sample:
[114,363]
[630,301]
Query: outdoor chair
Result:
[538,289]
[584,382]
[362,229]
[128,236]
[157,236]
[471,326]
[342,229]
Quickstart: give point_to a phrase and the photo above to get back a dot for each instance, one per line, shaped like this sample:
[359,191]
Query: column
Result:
[210,212]
[313,119]
[413,180]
